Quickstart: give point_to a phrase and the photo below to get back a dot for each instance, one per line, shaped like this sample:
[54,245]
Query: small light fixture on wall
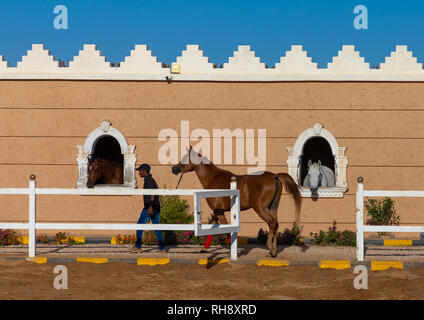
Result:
[175,68]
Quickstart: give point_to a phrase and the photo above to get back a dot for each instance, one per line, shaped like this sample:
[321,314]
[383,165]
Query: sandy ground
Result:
[118,280]
[27,280]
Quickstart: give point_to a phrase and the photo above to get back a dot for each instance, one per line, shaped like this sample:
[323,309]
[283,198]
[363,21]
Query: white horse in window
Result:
[318,176]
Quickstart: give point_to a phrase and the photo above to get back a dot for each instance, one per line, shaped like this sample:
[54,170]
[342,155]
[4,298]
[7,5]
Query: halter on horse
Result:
[262,192]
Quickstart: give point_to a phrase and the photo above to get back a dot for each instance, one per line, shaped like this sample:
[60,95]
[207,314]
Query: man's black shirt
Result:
[150,183]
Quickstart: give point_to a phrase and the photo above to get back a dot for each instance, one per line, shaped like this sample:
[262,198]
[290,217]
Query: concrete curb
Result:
[245,240]
[394,242]
[322,264]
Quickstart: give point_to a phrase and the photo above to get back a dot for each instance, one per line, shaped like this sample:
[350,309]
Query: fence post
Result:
[197,214]
[235,217]
[360,220]
[31,219]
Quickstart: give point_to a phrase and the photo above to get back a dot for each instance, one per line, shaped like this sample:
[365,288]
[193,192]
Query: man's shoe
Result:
[161,246]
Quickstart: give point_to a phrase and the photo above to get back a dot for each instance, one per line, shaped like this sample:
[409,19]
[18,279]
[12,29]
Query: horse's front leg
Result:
[220,216]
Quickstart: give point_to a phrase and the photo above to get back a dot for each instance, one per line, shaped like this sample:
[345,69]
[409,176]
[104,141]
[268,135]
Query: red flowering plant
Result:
[149,238]
[333,236]
[188,237]
[291,237]
[9,237]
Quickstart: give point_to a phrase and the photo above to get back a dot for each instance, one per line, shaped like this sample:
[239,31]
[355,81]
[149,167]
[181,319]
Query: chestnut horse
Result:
[110,171]
[262,192]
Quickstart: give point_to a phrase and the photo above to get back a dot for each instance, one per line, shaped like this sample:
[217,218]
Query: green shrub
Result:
[382,213]
[174,210]
[333,236]
[9,237]
[290,237]
[262,236]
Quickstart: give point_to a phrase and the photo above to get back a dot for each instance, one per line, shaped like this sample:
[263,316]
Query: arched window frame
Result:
[106,129]
[340,162]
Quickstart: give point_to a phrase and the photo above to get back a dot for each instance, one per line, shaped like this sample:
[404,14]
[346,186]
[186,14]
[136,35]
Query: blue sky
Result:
[269,27]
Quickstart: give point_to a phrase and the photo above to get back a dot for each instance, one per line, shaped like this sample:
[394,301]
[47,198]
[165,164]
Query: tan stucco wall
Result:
[41,122]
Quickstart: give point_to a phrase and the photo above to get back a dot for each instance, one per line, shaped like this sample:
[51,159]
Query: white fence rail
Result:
[360,228]
[198,228]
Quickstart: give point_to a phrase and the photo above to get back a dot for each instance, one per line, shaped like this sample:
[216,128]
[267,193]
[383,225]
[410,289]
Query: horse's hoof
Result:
[270,254]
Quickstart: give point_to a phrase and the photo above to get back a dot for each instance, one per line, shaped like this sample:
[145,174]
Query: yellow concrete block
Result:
[274,263]
[24,239]
[384,265]
[398,242]
[93,260]
[335,264]
[152,261]
[37,259]
[213,261]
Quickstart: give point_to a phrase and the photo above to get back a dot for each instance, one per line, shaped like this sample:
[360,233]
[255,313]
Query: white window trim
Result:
[340,161]
[106,129]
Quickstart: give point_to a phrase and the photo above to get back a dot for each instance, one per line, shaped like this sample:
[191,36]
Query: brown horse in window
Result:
[110,171]
[262,192]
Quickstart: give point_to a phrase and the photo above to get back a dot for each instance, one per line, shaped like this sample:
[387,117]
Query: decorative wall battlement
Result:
[193,65]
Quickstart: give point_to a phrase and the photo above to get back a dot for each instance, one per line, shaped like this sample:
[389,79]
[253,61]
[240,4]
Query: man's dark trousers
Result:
[144,218]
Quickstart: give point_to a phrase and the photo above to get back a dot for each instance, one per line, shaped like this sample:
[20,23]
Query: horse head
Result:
[315,176]
[93,171]
[189,162]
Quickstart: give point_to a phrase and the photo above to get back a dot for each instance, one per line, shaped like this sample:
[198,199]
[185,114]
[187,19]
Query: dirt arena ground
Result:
[28,280]
[184,280]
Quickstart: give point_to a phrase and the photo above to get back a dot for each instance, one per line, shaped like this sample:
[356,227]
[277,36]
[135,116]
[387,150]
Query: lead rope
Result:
[179,180]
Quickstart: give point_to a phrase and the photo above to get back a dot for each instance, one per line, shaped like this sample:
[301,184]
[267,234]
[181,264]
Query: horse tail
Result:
[273,206]
[291,187]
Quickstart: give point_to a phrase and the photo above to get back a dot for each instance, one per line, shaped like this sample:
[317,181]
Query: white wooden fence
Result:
[199,229]
[361,228]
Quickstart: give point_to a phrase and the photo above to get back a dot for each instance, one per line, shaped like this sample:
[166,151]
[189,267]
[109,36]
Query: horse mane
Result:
[211,164]
[329,174]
